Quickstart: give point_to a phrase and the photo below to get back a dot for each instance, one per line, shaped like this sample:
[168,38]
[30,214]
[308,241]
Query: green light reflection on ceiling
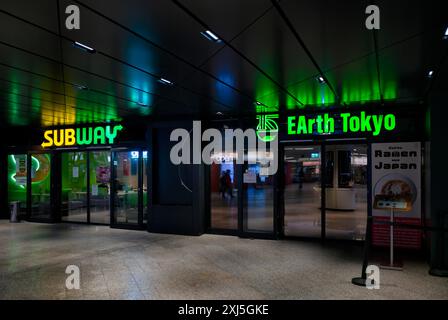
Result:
[14,114]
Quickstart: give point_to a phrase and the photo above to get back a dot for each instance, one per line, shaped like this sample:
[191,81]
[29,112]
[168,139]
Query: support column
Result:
[437,178]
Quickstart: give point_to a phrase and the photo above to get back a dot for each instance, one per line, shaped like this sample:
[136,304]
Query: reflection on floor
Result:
[124,264]
[129,216]
[100,216]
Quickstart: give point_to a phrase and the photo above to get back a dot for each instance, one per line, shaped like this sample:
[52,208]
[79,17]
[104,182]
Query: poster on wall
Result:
[20,175]
[396,176]
[102,174]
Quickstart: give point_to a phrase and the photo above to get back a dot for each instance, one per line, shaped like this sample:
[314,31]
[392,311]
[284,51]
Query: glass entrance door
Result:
[99,185]
[336,177]
[258,195]
[346,191]
[224,195]
[127,188]
[74,193]
[302,191]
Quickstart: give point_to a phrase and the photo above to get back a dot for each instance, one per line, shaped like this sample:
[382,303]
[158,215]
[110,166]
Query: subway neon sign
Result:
[67,137]
[349,123]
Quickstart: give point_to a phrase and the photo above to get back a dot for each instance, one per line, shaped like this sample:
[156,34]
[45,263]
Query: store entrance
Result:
[85,192]
[302,191]
[325,191]
[104,187]
[86,187]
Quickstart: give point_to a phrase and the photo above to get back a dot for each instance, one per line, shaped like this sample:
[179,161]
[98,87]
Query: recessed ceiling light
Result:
[165,81]
[80,86]
[83,47]
[219,113]
[430,73]
[258,103]
[211,36]
[321,79]
[446,34]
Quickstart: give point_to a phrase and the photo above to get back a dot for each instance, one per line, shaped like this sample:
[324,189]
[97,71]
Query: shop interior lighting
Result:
[430,73]
[446,34]
[321,79]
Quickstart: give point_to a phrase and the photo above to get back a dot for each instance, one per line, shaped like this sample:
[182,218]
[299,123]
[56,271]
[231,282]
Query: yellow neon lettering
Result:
[48,139]
[58,138]
[70,139]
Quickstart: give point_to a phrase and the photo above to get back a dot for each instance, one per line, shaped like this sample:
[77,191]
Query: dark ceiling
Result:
[271,52]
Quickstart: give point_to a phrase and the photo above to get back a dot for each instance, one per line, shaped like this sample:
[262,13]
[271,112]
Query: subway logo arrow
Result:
[67,137]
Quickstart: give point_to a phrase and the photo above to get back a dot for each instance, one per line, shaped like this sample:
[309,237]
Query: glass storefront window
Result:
[17,180]
[145,187]
[41,186]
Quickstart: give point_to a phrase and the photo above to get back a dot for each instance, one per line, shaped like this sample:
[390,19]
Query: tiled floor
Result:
[121,264]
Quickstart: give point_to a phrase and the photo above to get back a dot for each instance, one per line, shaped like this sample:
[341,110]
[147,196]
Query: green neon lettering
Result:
[99,136]
[325,123]
[389,122]
[319,121]
[84,137]
[365,122]
[377,123]
[354,124]
[329,123]
[344,117]
[311,123]
[301,125]
[112,135]
[291,125]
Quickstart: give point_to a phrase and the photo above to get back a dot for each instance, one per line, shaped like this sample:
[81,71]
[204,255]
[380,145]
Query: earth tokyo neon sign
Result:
[67,137]
[350,123]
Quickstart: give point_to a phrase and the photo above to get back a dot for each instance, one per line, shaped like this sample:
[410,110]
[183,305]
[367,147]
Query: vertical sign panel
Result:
[396,178]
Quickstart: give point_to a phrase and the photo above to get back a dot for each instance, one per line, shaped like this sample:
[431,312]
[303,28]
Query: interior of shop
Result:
[86,186]
[343,176]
